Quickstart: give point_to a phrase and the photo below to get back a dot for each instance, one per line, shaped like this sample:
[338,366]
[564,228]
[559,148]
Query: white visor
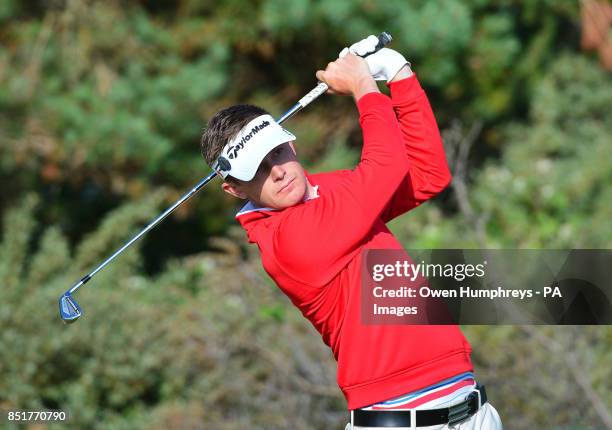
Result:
[241,157]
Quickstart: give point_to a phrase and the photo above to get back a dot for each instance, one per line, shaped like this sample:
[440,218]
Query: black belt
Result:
[426,417]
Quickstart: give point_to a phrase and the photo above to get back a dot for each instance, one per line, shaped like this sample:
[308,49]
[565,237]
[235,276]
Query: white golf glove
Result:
[383,64]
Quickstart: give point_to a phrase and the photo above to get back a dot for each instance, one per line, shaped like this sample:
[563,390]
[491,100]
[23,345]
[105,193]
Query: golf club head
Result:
[70,311]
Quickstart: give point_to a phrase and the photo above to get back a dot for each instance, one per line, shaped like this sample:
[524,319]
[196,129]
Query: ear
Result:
[234,190]
[292,147]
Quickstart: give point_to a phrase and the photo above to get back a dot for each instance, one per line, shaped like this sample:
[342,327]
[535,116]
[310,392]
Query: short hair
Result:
[224,126]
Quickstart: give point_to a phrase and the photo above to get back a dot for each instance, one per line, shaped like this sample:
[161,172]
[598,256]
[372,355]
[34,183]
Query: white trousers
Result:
[486,418]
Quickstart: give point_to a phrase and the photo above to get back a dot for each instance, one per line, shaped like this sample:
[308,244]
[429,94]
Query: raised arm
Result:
[428,172]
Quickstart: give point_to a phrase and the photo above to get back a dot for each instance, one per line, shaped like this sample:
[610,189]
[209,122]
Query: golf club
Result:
[70,311]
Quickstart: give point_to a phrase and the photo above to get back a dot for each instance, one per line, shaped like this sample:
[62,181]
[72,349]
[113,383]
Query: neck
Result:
[311,192]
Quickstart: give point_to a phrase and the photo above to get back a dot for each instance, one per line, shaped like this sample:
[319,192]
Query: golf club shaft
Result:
[152,224]
[312,95]
[383,39]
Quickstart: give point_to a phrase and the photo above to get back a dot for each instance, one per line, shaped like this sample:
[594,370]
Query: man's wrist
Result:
[364,86]
[403,73]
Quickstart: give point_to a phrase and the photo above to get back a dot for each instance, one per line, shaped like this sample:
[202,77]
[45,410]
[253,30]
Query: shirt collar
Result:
[252,207]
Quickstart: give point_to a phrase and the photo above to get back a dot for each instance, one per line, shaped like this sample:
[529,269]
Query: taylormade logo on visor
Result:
[232,151]
[242,155]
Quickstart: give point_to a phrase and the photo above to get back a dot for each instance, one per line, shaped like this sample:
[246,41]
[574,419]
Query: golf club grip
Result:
[313,94]
[384,38]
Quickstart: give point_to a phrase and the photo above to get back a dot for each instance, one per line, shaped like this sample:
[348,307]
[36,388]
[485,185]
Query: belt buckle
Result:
[463,410]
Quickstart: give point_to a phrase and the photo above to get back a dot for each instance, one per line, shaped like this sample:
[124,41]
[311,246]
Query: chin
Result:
[290,201]
[295,197]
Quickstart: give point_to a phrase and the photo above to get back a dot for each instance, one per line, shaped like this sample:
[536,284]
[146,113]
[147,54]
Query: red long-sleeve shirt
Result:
[313,250]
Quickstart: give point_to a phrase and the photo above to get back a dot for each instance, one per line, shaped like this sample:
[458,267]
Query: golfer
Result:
[311,230]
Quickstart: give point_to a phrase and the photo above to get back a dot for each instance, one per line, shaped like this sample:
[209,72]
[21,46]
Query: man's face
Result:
[280,181]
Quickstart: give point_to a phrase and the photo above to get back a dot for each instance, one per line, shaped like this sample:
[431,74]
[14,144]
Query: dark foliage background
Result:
[101,107]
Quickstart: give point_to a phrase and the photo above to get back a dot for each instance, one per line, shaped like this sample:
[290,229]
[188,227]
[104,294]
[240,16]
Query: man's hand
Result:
[385,64]
[348,75]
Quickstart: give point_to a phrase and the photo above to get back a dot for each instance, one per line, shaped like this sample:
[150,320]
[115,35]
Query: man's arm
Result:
[428,172]
[314,240]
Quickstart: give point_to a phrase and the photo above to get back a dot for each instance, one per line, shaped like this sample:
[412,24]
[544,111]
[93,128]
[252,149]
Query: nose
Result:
[277,172]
